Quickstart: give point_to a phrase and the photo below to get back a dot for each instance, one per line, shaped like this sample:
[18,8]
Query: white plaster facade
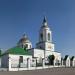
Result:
[13,61]
[72,62]
[44,48]
[0,61]
[67,62]
[45,42]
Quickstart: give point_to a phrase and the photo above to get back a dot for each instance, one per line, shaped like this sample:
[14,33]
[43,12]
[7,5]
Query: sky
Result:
[18,17]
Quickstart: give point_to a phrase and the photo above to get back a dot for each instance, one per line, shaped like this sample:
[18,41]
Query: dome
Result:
[24,39]
[24,42]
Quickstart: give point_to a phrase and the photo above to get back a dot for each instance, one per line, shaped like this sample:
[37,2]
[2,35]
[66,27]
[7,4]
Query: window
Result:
[41,36]
[21,59]
[30,46]
[26,46]
[48,36]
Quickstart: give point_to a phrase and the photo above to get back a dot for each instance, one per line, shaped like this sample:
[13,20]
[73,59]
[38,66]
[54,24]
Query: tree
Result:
[66,56]
[72,58]
[0,52]
[51,59]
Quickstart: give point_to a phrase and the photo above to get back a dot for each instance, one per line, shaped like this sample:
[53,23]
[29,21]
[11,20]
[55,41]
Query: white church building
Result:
[24,57]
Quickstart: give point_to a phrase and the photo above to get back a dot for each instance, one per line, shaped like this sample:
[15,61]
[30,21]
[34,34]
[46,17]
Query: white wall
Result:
[0,61]
[56,54]
[73,63]
[67,62]
[49,46]
[14,61]
[38,53]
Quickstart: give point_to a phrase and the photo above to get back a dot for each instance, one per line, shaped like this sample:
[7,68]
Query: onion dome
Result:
[24,42]
[24,39]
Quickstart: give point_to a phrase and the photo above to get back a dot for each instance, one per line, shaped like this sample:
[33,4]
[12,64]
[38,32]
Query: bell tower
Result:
[45,37]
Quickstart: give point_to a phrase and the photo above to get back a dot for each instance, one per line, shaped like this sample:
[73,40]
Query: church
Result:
[24,57]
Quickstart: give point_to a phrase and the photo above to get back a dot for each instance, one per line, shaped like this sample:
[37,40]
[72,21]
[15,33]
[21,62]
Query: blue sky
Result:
[25,16]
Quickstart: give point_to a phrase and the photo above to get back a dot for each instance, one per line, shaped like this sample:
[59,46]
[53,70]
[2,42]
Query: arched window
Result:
[48,36]
[41,36]
[26,46]
[30,46]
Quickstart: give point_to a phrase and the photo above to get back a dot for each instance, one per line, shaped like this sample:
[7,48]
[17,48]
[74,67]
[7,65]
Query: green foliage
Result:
[0,52]
[72,58]
[51,59]
[66,56]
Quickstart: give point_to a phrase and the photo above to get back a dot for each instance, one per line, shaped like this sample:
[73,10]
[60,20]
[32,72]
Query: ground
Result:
[51,71]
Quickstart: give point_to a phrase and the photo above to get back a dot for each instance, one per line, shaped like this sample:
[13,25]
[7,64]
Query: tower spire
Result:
[45,37]
[45,21]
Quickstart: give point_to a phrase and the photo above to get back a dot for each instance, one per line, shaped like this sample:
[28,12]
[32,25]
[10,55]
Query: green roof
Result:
[17,51]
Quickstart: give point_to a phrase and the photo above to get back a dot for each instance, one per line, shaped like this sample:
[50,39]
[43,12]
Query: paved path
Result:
[51,71]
